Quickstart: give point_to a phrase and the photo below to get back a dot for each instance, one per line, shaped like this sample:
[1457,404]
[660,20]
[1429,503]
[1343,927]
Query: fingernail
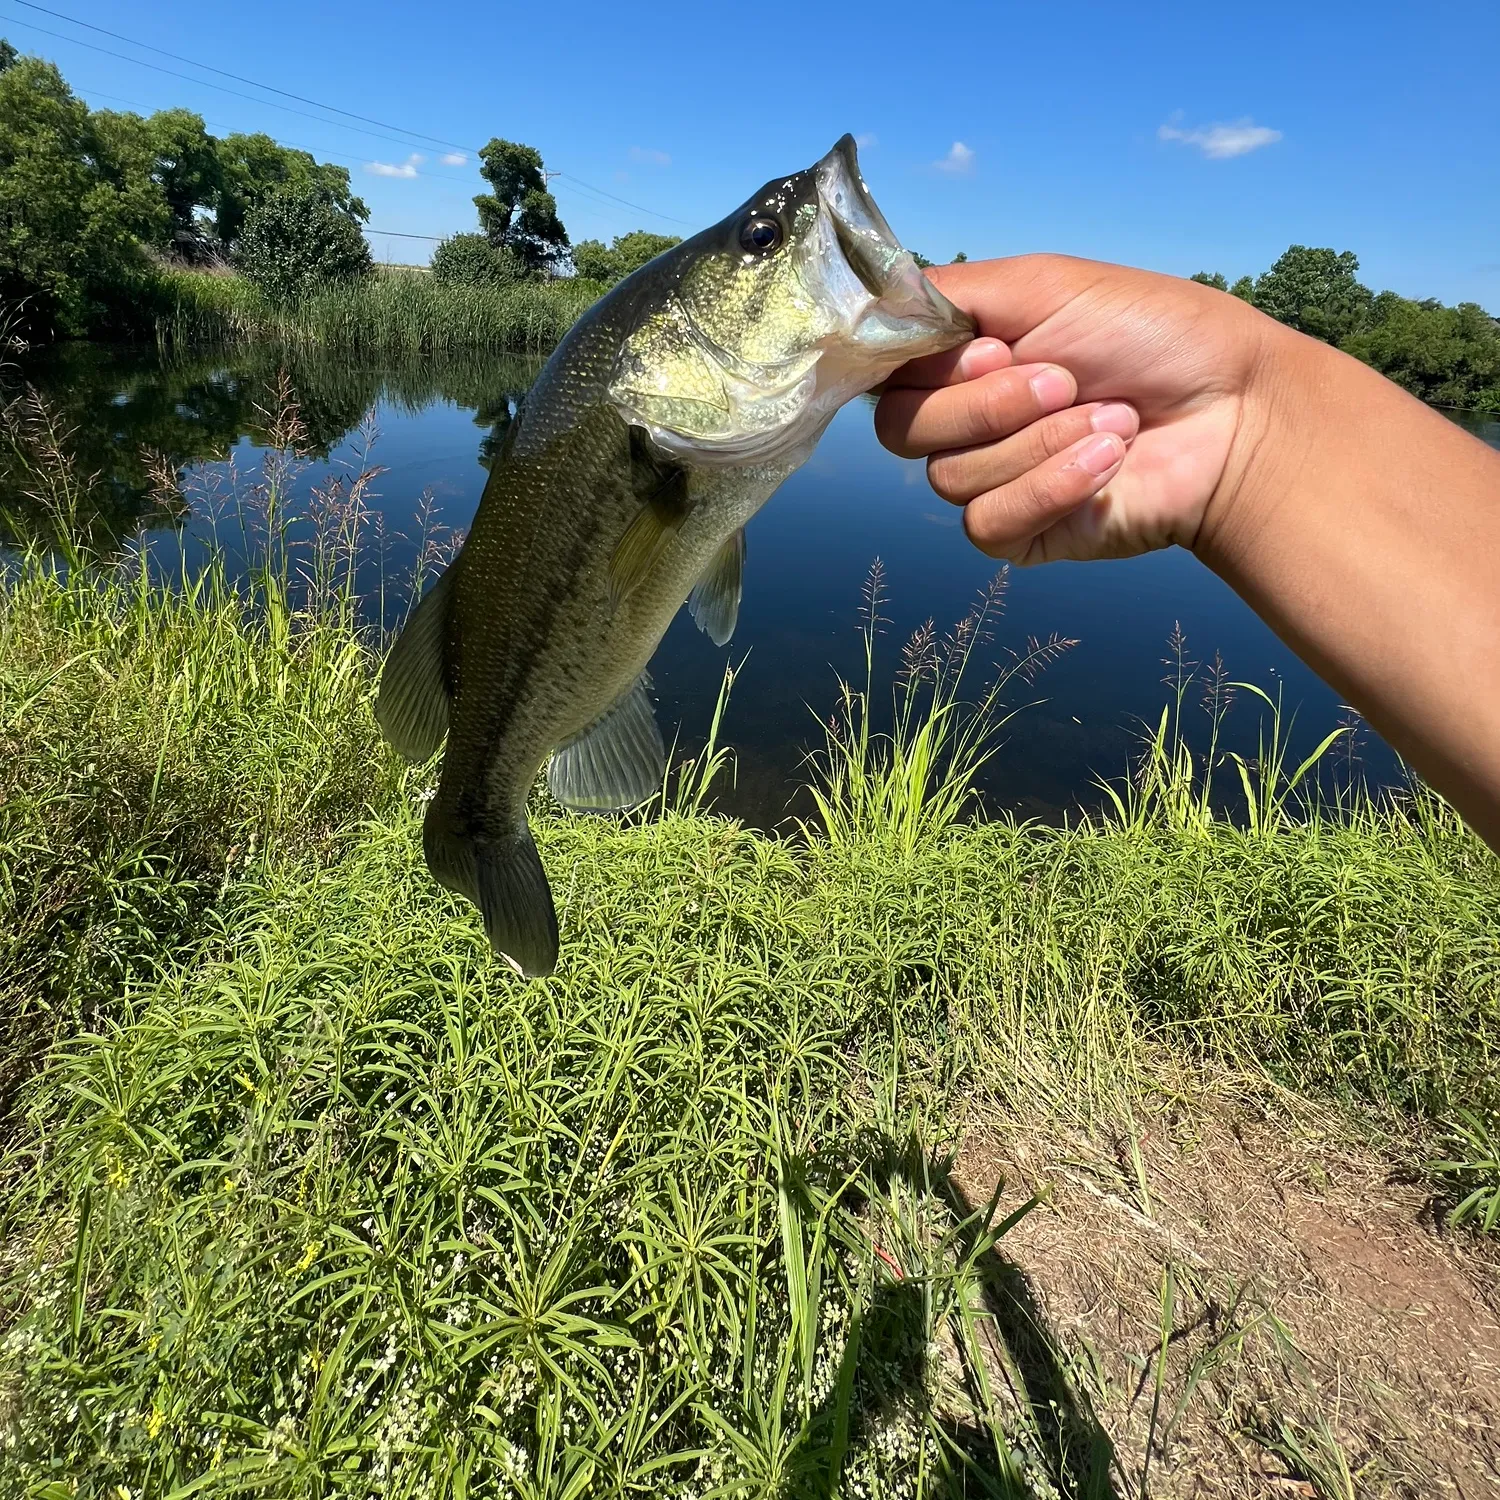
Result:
[1099,455]
[1117,418]
[1053,389]
[982,356]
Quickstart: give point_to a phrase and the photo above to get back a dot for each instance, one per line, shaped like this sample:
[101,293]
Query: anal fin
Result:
[617,762]
[412,707]
[715,601]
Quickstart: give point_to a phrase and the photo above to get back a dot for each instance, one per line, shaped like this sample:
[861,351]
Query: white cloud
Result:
[958,161]
[869,138]
[652,158]
[408,168]
[1220,142]
[453,159]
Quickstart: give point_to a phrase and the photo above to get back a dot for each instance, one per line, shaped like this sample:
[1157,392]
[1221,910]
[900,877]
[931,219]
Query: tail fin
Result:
[504,878]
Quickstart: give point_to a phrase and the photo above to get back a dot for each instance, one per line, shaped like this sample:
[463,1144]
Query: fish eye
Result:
[761,235]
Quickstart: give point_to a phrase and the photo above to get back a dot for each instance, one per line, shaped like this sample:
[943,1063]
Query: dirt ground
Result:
[1241,1306]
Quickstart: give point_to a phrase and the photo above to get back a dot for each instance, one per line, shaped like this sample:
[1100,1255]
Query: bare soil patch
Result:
[1242,1306]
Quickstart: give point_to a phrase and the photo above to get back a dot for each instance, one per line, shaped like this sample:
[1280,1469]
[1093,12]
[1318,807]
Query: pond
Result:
[809,554]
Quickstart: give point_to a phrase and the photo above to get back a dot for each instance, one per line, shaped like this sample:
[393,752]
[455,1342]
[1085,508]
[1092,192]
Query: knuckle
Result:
[994,408]
[893,420]
[945,473]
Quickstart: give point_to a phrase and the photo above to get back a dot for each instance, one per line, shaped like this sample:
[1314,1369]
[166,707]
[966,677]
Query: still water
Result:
[809,553]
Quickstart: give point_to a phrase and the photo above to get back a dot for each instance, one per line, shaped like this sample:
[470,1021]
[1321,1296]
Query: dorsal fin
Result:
[412,708]
[617,762]
[715,601]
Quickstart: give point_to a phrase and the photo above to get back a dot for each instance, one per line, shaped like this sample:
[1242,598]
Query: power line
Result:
[638,207]
[576,182]
[254,83]
[200,82]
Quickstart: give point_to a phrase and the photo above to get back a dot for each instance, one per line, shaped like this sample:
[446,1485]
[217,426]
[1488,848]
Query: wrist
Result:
[1276,428]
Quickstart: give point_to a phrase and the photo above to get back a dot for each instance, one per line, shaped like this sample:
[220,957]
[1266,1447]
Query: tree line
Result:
[1449,356]
[91,199]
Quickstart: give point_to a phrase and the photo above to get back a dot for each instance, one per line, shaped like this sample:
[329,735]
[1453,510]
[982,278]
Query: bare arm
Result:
[1364,528]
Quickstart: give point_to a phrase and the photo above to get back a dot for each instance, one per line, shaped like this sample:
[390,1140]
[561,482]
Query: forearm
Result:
[1365,529]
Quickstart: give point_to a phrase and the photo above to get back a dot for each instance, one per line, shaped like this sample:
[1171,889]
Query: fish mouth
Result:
[904,307]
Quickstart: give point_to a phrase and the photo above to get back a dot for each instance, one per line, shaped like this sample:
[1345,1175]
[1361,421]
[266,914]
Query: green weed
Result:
[307,1196]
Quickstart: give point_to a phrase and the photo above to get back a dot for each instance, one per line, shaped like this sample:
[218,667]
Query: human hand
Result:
[1101,412]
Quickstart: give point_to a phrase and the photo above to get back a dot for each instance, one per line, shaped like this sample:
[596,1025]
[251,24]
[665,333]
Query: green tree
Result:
[960,258]
[1244,289]
[187,169]
[251,166]
[1317,292]
[8,55]
[1214,279]
[519,215]
[470,260]
[295,240]
[1446,355]
[596,261]
[68,234]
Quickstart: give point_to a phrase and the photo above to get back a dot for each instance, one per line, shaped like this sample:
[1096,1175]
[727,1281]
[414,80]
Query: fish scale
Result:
[664,420]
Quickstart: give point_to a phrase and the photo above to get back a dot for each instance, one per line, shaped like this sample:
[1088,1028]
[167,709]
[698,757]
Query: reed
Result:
[401,312]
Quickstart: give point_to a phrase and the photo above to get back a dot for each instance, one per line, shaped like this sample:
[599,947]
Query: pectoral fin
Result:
[618,761]
[715,601]
[665,504]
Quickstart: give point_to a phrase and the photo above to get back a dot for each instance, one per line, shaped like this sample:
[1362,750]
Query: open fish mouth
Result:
[902,308]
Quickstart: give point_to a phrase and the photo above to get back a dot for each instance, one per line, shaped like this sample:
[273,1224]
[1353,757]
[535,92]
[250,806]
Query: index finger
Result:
[951,367]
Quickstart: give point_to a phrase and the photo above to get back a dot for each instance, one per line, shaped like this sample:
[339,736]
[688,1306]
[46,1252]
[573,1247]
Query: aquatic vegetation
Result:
[396,311]
[307,1195]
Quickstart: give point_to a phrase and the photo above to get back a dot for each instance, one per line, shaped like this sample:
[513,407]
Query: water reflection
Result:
[125,410]
[809,551]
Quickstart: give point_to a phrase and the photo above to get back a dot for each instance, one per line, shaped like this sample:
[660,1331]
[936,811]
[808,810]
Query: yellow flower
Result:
[155,1421]
[309,1255]
[243,1079]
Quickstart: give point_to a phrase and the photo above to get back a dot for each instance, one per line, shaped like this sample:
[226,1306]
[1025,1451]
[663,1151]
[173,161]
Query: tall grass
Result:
[308,1196]
[394,311]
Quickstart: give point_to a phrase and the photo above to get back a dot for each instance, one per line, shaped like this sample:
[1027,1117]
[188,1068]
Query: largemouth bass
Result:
[662,422]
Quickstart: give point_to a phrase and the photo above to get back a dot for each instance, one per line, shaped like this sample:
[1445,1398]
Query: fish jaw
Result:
[890,311]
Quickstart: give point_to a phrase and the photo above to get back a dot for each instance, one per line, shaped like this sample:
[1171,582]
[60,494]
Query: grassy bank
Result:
[393,311]
[306,1195]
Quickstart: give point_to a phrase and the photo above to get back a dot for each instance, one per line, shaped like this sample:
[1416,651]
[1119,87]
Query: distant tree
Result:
[960,258]
[1244,289]
[250,166]
[68,234]
[596,261]
[295,240]
[169,164]
[8,54]
[470,260]
[1214,279]
[920,259]
[1316,291]
[1446,355]
[519,215]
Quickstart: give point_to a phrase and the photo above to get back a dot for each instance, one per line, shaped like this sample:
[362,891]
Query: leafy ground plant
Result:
[306,1197]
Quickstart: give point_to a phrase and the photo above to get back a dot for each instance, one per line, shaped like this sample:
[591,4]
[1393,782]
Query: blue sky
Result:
[1172,136]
